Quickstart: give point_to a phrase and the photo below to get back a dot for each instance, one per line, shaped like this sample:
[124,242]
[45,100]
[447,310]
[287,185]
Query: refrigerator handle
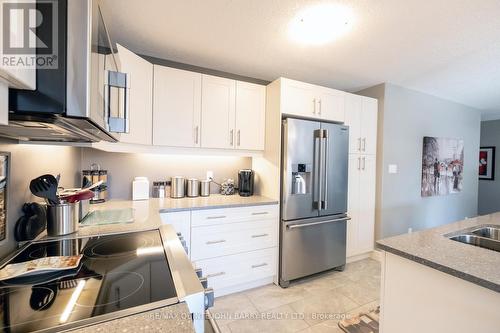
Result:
[325,173]
[321,168]
[317,170]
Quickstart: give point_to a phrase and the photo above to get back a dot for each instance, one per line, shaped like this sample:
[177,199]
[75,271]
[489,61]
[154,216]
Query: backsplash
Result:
[26,163]
[123,167]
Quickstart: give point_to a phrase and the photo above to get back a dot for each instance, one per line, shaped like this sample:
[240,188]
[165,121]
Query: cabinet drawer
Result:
[219,240]
[239,268]
[233,215]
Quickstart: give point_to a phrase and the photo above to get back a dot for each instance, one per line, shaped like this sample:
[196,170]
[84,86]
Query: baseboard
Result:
[244,286]
[377,255]
[358,257]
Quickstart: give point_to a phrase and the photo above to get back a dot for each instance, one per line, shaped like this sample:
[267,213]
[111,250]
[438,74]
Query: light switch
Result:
[393,168]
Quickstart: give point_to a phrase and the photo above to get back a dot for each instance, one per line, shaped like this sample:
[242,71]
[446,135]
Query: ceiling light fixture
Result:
[321,24]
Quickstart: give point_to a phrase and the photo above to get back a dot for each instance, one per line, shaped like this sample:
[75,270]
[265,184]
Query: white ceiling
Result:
[447,48]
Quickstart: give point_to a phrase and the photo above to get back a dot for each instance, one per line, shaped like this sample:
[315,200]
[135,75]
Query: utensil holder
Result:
[62,219]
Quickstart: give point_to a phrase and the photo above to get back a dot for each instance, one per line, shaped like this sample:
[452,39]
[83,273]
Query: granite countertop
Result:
[147,212]
[171,319]
[175,318]
[433,248]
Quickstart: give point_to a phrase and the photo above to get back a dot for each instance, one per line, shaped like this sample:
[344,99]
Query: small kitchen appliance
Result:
[245,182]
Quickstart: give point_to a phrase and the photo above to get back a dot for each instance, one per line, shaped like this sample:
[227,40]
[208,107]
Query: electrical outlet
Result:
[210,175]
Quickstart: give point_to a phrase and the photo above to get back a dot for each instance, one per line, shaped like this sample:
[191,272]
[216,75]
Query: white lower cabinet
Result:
[238,272]
[235,247]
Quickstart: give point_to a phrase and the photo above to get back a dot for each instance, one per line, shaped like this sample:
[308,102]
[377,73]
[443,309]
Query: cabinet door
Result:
[181,221]
[140,76]
[331,104]
[353,204]
[218,112]
[369,125]
[353,109]
[366,227]
[176,107]
[250,115]
[297,98]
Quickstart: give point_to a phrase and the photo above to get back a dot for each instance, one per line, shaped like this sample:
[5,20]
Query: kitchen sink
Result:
[488,232]
[478,241]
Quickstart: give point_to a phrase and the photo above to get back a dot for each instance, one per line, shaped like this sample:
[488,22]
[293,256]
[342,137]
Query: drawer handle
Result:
[259,265]
[216,217]
[261,235]
[216,274]
[260,213]
[216,242]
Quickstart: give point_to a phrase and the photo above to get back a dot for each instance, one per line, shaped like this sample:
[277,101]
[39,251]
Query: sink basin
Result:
[475,240]
[488,232]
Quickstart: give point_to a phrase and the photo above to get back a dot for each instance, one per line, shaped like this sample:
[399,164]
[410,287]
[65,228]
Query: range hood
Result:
[53,128]
[85,97]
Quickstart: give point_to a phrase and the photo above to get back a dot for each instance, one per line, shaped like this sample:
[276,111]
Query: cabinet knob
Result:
[209,298]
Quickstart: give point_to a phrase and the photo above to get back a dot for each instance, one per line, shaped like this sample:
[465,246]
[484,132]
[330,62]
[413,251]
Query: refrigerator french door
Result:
[313,198]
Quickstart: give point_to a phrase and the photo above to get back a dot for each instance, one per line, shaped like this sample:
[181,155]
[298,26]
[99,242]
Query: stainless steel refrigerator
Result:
[313,198]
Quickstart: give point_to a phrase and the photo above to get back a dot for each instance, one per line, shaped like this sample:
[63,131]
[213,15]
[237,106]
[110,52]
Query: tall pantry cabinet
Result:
[361,117]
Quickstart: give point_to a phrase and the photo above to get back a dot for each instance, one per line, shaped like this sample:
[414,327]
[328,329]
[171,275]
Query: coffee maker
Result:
[245,182]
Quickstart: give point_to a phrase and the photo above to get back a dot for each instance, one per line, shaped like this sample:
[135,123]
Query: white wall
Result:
[406,116]
[123,167]
[28,162]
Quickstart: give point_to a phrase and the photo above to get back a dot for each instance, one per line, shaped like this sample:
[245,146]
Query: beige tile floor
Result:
[312,305]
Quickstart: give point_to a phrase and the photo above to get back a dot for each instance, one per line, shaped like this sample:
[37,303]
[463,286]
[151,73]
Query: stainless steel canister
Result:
[177,187]
[205,188]
[62,219]
[193,187]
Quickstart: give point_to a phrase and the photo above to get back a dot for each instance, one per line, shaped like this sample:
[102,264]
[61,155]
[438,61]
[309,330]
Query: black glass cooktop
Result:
[117,272]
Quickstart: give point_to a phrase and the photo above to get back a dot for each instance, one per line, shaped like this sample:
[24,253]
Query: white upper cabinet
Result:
[361,116]
[312,101]
[353,109]
[218,112]
[297,98]
[331,104]
[250,116]
[176,107]
[140,77]
[369,118]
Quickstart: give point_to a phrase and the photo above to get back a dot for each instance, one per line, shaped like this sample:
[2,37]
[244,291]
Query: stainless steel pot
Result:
[62,219]
[177,187]
[193,187]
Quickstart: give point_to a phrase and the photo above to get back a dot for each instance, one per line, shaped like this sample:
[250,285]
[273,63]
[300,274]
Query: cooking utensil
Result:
[32,223]
[42,296]
[45,187]
[84,194]
[71,191]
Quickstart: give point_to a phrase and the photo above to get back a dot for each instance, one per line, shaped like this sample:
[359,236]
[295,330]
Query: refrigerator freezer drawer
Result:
[311,246]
